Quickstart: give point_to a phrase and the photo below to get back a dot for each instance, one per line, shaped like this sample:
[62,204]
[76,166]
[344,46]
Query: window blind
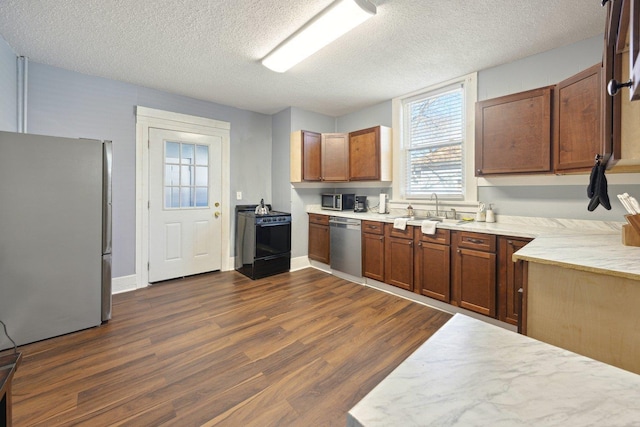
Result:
[433,144]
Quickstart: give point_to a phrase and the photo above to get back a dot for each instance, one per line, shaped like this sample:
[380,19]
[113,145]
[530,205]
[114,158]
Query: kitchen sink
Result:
[421,218]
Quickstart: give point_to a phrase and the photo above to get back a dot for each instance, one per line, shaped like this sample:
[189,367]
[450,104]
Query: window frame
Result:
[470,95]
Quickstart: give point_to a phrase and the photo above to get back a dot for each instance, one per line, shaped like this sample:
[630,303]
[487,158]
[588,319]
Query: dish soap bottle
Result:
[410,211]
[491,217]
[481,215]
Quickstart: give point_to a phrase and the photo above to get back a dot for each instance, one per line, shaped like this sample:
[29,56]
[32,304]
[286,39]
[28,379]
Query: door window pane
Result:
[185,185]
[202,195]
[202,176]
[202,155]
[172,197]
[173,152]
[171,175]
[188,154]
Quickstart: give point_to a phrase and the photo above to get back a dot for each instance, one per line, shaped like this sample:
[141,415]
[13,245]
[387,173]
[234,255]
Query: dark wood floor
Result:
[299,349]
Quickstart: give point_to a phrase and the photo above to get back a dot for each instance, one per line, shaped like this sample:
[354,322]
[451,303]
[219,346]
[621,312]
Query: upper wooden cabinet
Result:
[306,156]
[577,120]
[622,64]
[335,157]
[370,154]
[513,133]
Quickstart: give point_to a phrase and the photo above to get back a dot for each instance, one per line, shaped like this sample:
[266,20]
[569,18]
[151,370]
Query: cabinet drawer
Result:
[478,241]
[407,233]
[373,227]
[319,219]
[442,236]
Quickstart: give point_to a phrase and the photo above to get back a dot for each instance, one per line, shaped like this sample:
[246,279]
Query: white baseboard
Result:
[123,284]
[299,263]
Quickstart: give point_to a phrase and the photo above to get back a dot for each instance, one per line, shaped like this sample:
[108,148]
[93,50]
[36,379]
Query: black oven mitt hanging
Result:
[597,189]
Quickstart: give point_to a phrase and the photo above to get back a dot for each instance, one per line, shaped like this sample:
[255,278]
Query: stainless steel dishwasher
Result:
[346,246]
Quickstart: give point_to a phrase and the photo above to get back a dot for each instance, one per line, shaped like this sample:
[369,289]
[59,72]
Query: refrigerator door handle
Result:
[107,159]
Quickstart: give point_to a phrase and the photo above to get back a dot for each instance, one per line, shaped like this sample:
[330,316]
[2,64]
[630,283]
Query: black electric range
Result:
[263,242]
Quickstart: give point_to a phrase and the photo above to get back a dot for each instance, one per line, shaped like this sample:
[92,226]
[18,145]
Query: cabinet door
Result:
[513,133]
[577,125]
[311,156]
[373,256]
[319,243]
[511,277]
[432,277]
[398,267]
[364,154]
[335,157]
[476,281]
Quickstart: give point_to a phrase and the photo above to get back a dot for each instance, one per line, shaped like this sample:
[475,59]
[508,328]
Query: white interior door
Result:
[185,188]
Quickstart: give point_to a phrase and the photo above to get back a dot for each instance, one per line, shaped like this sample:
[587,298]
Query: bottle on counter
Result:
[491,217]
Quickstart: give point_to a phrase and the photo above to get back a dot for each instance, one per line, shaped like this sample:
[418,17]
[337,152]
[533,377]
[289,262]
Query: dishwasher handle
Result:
[348,224]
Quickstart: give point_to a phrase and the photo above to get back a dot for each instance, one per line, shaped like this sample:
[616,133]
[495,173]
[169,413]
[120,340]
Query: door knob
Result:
[217,214]
[216,204]
[614,86]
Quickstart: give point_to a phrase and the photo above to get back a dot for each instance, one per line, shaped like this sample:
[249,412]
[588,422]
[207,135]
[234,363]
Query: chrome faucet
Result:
[437,208]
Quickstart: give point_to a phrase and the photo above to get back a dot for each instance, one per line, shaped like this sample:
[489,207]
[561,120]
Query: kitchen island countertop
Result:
[472,373]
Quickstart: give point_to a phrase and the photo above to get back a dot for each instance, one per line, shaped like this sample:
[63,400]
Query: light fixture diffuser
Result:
[334,21]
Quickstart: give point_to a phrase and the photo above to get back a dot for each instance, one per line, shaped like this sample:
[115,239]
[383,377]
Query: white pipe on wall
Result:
[22,64]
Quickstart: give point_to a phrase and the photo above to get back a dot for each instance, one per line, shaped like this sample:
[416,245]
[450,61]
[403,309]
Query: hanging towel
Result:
[400,223]
[597,189]
[428,227]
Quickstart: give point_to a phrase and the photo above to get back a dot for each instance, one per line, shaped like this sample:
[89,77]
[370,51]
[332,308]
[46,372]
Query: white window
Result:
[436,141]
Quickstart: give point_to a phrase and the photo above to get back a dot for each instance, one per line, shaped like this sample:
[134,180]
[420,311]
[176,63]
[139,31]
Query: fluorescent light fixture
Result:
[337,19]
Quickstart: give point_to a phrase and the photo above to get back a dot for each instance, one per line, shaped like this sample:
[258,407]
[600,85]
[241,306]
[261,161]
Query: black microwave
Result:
[338,202]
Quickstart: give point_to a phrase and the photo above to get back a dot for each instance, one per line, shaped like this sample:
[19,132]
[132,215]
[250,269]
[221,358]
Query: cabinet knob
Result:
[478,171]
[380,238]
[419,243]
[459,251]
[614,86]
[510,242]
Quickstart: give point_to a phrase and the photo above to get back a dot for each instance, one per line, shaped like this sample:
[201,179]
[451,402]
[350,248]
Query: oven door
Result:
[273,239]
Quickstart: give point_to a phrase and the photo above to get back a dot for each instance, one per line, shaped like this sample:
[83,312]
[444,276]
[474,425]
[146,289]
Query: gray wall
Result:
[65,103]
[543,69]
[379,114]
[280,162]
[8,88]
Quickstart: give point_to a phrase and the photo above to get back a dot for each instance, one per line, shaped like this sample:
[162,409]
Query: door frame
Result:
[151,118]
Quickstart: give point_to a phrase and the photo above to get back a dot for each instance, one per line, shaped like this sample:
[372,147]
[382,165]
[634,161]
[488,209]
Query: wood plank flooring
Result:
[219,349]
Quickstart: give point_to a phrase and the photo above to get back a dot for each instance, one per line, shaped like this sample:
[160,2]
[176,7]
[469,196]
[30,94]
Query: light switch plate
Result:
[238,195]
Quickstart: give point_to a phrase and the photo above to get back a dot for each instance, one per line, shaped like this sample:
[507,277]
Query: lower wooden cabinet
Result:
[432,260]
[319,238]
[510,278]
[373,250]
[398,264]
[474,276]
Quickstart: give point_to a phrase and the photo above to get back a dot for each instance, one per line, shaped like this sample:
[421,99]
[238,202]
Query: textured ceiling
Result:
[211,49]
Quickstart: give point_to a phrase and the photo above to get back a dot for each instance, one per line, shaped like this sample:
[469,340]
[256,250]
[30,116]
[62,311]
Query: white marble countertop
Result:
[471,373]
[594,246]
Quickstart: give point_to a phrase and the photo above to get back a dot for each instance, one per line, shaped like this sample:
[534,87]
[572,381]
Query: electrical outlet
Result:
[238,195]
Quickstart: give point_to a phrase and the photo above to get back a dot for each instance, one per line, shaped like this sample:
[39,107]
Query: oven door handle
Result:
[273,224]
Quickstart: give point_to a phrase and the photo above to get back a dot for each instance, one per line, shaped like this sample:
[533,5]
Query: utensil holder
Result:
[631,231]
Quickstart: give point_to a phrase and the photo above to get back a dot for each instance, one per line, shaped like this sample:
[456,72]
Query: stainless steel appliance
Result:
[263,241]
[360,204]
[55,228]
[345,245]
[338,202]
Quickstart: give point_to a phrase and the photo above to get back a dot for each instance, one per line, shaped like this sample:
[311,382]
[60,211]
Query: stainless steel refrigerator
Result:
[55,235]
